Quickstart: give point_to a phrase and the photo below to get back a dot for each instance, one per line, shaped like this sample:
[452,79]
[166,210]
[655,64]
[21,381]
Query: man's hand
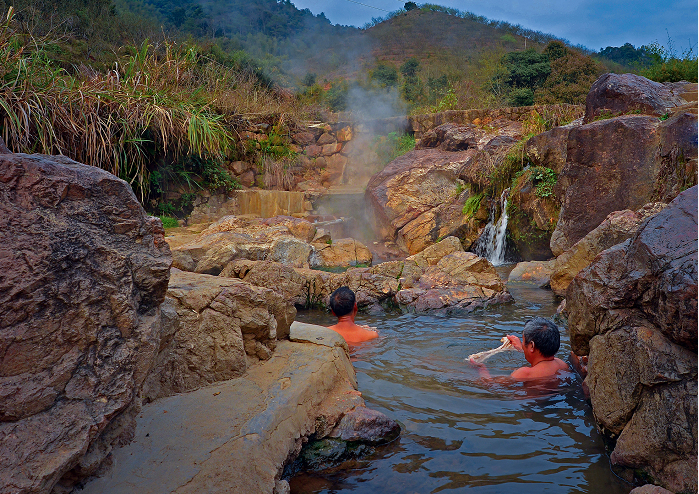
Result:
[515,342]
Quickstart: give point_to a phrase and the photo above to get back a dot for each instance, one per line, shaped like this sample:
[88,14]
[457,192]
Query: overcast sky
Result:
[595,24]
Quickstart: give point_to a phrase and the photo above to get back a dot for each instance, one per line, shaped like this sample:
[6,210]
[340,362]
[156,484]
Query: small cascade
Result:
[491,243]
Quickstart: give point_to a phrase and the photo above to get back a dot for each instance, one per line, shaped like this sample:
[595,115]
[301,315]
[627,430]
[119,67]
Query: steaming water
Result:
[459,435]
[492,242]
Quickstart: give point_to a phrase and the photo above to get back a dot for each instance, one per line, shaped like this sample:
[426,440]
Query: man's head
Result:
[544,334]
[342,301]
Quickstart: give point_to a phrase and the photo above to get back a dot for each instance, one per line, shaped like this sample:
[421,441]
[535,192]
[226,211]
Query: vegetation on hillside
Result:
[158,91]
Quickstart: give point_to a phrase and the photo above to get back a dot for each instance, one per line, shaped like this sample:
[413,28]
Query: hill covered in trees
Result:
[160,91]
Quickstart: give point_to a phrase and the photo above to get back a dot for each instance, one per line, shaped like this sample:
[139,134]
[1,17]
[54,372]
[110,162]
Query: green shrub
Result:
[169,222]
[393,145]
[544,179]
[473,204]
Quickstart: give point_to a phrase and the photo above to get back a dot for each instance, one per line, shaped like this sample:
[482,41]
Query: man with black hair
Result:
[344,306]
[540,342]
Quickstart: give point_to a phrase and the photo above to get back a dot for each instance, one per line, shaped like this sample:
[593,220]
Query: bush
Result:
[169,222]
[473,204]
[668,67]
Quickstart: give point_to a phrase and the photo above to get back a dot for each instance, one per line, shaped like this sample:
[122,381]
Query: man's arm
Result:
[482,370]
[521,373]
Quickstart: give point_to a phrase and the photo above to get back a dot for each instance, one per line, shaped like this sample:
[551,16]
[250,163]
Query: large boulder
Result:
[634,310]
[412,185]
[458,282]
[83,271]
[343,252]
[418,198]
[212,327]
[622,163]
[617,227]
[533,272]
[616,94]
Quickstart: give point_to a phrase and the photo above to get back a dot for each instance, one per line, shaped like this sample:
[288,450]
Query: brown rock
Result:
[344,134]
[210,324]
[367,426]
[650,489]
[617,227]
[330,149]
[550,149]
[617,94]
[326,139]
[247,178]
[411,185]
[313,151]
[434,253]
[303,138]
[341,253]
[634,309]
[240,167]
[83,271]
[452,137]
[612,166]
[535,272]
[244,237]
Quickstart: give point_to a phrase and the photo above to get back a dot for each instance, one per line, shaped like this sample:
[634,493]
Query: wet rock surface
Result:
[634,310]
[83,271]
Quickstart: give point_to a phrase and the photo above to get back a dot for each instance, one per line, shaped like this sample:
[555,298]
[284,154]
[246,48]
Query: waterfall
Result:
[491,243]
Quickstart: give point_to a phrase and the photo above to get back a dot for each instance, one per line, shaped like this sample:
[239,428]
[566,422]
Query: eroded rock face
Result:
[412,185]
[211,327]
[83,271]
[616,94]
[418,198]
[615,164]
[617,227]
[634,310]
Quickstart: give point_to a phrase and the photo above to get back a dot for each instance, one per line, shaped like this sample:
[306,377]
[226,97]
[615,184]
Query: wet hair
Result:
[544,334]
[342,301]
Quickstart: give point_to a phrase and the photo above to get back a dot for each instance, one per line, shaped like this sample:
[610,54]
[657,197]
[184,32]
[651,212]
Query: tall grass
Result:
[158,101]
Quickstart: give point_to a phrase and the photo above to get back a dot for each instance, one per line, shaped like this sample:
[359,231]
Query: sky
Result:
[594,24]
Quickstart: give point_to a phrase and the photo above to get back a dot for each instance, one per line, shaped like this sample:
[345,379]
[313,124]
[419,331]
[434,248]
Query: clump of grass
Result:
[158,102]
[392,146]
[169,222]
[473,204]
[544,179]
[277,173]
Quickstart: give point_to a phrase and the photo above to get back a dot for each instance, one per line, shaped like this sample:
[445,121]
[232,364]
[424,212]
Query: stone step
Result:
[234,436]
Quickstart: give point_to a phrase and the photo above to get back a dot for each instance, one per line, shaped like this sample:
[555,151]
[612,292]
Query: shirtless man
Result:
[541,342]
[344,307]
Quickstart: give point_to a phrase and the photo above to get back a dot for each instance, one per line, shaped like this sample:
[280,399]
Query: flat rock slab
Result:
[233,436]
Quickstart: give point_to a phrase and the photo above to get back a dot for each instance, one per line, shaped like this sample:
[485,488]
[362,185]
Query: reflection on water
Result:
[458,433]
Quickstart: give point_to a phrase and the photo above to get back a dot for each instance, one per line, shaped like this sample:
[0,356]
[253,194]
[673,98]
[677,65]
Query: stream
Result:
[457,433]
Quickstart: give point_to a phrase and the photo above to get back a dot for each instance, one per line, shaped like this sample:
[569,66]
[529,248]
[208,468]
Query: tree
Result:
[410,6]
[384,75]
[410,67]
[526,69]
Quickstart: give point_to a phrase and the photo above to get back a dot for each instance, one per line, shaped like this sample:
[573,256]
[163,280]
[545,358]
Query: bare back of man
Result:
[353,333]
